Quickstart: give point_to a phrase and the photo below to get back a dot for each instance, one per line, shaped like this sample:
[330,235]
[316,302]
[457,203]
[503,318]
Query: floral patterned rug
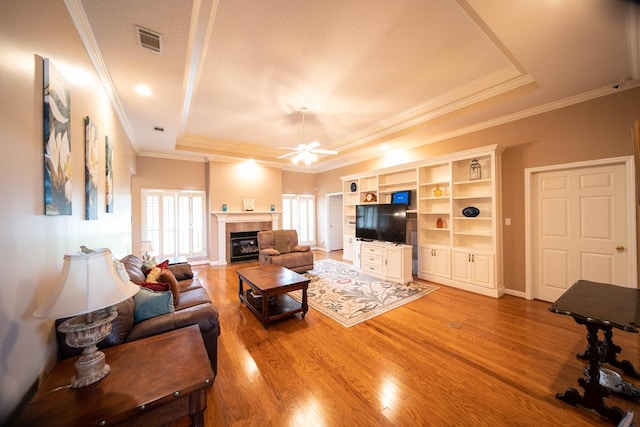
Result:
[349,296]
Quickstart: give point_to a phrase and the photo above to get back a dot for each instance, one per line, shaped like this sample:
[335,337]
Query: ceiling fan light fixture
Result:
[306,153]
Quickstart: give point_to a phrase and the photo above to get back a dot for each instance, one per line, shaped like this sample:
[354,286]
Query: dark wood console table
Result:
[153,381]
[600,307]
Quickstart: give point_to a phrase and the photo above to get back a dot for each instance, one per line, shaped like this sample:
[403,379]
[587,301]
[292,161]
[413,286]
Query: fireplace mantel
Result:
[223,218]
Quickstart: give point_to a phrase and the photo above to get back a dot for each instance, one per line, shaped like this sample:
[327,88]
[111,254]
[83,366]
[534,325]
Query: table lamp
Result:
[145,248]
[90,286]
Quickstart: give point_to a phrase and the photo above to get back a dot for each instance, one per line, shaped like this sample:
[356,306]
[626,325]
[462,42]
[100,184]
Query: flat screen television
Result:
[385,222]
[401,197]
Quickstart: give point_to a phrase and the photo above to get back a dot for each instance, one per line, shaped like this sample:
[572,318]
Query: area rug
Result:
[349,297]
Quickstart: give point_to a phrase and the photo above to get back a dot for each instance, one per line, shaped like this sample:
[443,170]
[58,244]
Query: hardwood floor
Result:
[451,358]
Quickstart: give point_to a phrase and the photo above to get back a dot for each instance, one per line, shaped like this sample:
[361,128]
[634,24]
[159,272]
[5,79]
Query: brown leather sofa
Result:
[193,307]
[281,247]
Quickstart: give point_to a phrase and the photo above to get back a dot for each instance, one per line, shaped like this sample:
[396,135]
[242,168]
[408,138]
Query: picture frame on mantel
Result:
[248,204]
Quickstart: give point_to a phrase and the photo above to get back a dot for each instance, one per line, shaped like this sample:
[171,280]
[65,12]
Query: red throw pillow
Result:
[155,286]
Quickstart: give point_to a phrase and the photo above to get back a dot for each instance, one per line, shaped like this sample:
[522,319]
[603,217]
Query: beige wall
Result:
[32,244]
[225,182]
[298,182]
[596,129]
[230,183]
[163,174]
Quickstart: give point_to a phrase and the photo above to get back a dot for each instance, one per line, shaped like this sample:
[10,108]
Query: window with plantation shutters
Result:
[174,222]
[298,213]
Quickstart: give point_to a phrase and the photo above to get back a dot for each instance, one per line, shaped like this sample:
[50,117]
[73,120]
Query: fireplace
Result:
[243,245]
[226,223]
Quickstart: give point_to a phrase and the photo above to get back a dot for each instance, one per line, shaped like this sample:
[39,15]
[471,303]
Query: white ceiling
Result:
[234,74]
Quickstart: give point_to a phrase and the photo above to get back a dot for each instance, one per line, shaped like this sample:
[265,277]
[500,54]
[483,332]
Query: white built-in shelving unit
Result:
[453,249]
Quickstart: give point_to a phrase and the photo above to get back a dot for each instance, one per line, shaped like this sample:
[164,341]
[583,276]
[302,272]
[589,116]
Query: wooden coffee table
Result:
[153,381]
[267,294]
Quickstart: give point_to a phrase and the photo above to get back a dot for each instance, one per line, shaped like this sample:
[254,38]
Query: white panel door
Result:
[335,240]
[579,228]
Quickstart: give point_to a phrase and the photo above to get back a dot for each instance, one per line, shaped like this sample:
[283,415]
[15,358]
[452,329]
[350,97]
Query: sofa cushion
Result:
[203,315]
[188,284]
[192,297]
[181,271]
[150,304]
[269,251]
[133,266]
[166,276]
[281,241]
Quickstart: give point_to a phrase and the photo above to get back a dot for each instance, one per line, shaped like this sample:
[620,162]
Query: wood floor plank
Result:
[450,358]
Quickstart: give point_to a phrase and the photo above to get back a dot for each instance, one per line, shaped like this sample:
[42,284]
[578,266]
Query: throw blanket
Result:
[281,244]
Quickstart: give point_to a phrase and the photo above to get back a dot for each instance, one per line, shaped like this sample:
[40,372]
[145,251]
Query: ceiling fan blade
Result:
[322,151]
[312,145]
[284,156]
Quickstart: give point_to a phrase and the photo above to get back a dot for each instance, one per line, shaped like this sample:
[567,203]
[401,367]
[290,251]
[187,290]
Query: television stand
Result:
[385,261]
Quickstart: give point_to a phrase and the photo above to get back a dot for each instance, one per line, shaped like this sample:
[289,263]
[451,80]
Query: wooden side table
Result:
[153,381]
[600,307]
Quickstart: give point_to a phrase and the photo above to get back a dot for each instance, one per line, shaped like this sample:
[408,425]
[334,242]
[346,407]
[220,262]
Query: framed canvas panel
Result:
[57,142]
[108,147]
[91,169]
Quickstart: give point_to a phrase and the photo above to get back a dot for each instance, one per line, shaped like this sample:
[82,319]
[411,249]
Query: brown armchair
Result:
[281,247]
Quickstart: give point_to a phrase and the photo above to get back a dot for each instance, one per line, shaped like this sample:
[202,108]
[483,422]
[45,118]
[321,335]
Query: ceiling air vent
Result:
[149,39]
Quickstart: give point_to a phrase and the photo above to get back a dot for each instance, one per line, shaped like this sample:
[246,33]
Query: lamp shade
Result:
[89,282]
[145,246]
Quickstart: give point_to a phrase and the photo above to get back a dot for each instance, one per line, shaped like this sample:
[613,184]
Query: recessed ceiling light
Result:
[144,90]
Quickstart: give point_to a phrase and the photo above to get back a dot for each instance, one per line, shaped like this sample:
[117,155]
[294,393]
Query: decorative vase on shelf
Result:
[439,223]
[475,170]
[437,192]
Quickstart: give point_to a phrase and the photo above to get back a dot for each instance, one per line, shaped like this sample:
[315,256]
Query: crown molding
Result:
[80,21]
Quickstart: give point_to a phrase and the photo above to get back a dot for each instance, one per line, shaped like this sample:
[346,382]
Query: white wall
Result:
[32,245]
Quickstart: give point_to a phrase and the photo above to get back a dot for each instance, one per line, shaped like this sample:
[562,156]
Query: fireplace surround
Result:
[224,223]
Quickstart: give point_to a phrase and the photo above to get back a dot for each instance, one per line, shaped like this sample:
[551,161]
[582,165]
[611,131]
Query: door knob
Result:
[619,248]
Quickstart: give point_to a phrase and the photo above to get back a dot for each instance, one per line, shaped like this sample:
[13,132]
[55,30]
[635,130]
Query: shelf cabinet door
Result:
[348,247]
[473,268]
[482,270]
[435,261]
[393,264]
[461,266]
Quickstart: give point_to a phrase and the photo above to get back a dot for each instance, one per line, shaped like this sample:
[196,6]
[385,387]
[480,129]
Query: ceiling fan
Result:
[305,153]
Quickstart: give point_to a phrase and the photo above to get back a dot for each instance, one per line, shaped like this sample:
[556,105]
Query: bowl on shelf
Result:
[470,211]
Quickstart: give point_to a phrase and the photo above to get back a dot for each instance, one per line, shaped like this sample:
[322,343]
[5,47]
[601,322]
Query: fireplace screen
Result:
[244,246]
